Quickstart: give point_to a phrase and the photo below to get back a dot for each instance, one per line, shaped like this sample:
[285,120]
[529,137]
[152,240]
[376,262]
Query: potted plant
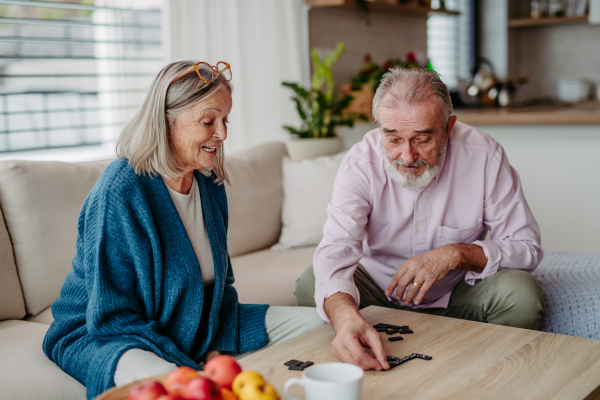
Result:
[320,110]
[364,84]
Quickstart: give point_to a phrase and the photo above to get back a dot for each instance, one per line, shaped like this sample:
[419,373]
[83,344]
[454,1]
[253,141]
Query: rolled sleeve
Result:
[494,256]
[332,287]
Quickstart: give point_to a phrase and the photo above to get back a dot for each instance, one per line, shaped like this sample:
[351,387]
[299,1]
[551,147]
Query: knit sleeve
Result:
[109,302]
[122,273]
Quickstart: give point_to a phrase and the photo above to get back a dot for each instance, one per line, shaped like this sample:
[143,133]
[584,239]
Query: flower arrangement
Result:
[363,85]
[371,73]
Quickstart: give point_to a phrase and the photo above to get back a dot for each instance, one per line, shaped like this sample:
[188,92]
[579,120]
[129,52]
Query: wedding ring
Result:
[417,284]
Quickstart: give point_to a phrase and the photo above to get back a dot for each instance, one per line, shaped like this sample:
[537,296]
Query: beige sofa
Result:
[39,206]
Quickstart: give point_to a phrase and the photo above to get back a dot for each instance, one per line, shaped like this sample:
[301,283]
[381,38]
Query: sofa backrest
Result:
[255,197]
[41,203]
[12,305]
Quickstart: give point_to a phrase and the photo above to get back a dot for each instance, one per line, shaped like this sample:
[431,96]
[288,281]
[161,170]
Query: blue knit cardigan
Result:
[136,283]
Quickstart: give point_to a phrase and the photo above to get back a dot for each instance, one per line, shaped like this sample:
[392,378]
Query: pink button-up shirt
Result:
[375,221]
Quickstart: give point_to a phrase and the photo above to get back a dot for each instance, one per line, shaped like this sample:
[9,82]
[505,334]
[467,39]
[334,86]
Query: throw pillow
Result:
[307,190]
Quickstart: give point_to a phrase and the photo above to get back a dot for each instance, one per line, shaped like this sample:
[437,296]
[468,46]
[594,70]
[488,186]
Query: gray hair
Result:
[412,86]
[146,140]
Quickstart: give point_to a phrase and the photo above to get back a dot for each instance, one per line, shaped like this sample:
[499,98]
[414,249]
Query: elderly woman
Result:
[151,285]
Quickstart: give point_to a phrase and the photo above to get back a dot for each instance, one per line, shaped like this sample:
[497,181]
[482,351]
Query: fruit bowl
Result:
[222,379]
[121,393]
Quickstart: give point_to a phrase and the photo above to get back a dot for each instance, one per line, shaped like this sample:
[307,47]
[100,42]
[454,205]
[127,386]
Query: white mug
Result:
[330,381]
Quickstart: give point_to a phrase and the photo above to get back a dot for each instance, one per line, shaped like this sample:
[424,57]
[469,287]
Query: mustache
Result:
[412,164]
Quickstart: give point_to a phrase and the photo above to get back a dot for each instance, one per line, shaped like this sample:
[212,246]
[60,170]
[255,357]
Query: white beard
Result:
[410,179]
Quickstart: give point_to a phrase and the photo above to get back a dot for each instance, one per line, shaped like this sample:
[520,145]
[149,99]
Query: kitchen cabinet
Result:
[548,50]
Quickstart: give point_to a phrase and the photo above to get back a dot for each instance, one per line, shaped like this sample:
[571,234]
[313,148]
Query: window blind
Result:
[449,42]
[73,72]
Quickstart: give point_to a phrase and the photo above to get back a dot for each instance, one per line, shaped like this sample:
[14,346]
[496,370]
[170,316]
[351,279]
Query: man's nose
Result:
[407,153]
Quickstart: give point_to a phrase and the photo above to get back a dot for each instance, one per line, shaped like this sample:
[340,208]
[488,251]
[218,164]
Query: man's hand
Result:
[429,268]
[352,333]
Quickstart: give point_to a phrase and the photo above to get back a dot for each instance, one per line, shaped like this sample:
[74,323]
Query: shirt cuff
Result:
[329,289]
[493,255]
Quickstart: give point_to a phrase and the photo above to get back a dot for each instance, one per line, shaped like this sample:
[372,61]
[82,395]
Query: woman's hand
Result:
[212,354]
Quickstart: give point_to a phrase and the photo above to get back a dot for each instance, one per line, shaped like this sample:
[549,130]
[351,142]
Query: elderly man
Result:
[412,204]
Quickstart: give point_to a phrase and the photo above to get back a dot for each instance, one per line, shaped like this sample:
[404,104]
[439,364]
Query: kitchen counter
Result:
[570,114]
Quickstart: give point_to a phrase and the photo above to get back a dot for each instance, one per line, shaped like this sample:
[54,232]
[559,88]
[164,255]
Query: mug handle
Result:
[291,382]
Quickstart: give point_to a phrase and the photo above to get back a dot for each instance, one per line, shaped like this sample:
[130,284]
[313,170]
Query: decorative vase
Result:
[302,149]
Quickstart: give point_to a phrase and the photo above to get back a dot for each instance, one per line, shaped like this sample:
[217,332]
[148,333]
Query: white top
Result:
[189,207]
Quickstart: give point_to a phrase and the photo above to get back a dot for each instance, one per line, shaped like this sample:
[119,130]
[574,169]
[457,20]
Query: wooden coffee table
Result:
[471,360]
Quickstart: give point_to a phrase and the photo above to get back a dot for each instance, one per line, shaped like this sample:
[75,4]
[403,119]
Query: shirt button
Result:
[418,231]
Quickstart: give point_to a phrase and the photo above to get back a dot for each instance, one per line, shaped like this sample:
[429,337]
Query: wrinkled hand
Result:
[212,354]
[351,335]
[426,270]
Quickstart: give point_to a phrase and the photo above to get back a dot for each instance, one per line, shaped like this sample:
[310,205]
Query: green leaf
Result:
[300,108]
[299,90]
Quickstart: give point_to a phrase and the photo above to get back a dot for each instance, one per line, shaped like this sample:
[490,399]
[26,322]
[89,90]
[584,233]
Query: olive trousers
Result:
[509,297]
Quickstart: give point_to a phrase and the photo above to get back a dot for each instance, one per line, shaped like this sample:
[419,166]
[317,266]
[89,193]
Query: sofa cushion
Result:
[12,305]
[41,202]
[307,191]
[254,196]
[26,372]
[269,276]
[570,283]
[45,317]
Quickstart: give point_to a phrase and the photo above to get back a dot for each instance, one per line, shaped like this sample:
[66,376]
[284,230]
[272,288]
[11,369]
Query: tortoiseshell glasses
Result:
[207,73]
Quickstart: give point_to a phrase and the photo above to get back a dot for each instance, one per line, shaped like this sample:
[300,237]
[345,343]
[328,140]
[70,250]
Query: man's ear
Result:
[450,124]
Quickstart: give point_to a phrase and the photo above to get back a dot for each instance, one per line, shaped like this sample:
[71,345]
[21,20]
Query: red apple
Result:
[202,389]
[147,390]
[177,380]
[222,369]
[170,397]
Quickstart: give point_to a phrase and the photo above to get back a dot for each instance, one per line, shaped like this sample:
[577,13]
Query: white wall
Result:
[559,167]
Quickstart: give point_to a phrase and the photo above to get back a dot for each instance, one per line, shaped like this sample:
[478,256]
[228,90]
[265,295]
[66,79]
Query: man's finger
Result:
[394,282]
[423,291]
[360,357]
[412,290]
[374,342]
[340,350]
[403,284]
[342,354]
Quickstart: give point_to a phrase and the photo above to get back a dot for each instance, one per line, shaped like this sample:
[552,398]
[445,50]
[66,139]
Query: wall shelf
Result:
[530,22]
[378,6]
